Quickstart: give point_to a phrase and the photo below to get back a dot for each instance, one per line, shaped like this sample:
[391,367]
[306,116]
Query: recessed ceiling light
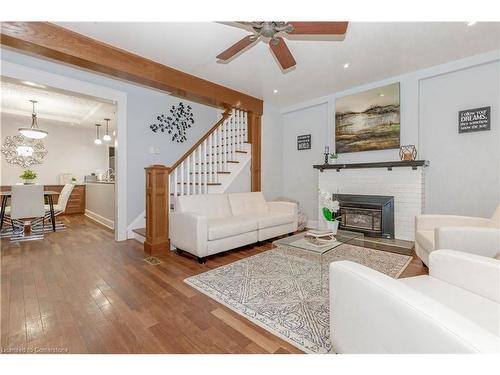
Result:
[381,94]
[28,83]
[471,23]
[346,65]
[275,91]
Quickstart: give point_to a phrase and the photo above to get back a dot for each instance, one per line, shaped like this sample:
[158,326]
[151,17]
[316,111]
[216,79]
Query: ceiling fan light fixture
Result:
[275,91]
[471,23]
[346,65]
[34,131]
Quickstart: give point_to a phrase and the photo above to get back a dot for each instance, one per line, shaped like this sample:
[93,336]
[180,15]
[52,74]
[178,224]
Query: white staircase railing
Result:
[200,167]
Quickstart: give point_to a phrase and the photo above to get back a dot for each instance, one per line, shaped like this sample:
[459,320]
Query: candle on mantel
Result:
[327,150]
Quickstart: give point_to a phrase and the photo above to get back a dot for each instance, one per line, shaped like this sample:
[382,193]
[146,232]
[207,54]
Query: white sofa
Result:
[470,234]
[456,309]
[208,224]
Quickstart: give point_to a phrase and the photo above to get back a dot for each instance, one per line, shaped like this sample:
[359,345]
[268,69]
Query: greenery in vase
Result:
[334,156]
[331,207]
[28,174]
[73,180]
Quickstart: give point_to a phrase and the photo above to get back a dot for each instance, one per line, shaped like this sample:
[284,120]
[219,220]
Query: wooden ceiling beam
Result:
[61,44]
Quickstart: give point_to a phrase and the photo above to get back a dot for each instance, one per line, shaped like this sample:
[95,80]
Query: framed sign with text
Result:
[474,120]
[304,142]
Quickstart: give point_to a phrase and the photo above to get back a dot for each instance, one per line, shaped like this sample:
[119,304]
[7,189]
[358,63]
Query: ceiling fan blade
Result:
[235,48]
[319,28]
[282,53]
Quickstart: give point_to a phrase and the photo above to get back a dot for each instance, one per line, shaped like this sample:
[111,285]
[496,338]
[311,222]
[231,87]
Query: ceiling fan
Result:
[276,30]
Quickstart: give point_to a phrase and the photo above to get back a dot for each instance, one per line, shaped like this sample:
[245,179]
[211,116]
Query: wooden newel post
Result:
[157,193]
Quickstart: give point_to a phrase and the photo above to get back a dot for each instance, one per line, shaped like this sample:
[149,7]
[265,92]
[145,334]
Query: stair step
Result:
[140,231]
[209,172]
[227,153]
[218,162]
[197,183]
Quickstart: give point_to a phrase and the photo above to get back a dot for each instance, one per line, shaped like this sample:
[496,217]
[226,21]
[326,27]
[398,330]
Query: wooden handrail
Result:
[225,115]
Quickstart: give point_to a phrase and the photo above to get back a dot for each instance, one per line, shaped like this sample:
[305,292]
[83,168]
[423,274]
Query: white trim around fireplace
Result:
[404,184]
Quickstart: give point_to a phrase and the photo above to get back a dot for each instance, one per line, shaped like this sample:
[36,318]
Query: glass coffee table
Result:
[297,245]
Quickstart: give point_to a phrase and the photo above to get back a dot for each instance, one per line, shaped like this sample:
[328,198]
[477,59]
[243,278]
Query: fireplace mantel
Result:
[385,164]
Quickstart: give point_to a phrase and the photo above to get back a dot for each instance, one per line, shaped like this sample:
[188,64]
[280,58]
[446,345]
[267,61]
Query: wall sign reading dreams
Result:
[474,120]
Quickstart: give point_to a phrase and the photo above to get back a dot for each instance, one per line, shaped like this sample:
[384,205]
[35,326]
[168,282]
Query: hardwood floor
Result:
[79,291]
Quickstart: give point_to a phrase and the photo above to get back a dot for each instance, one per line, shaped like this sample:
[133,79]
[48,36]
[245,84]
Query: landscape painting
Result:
[368,120]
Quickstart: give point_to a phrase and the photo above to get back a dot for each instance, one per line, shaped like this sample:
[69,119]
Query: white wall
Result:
[71,149]
[143,105]
[317,116]
[272,152]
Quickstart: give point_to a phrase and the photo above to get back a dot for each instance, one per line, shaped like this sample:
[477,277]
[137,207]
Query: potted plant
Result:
[334,157]
[329,210]
[73,180]
[28,176]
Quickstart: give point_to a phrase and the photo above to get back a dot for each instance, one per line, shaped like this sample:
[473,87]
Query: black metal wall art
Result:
[180,119]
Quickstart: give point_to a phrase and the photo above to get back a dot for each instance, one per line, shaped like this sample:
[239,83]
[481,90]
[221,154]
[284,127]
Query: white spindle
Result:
[233,135]
[210,161]
[182,177]
[205,167]
[175,182]
[222,149]
[194,175]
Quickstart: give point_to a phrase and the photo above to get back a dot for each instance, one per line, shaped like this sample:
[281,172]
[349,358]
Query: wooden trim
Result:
[255,139]
[58,43]
[157,195]
[225,115]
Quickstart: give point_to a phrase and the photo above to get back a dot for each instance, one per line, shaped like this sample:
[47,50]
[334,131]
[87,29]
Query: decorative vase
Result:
[29,182]
[333,226]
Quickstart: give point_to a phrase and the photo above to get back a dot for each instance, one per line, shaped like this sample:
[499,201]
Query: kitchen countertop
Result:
[99,182]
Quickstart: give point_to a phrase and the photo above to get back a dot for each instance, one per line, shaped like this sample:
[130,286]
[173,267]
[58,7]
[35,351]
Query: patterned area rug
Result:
[287,293]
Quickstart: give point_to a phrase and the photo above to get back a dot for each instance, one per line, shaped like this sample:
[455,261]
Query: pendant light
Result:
[34,131]
[97,140]
[107,137]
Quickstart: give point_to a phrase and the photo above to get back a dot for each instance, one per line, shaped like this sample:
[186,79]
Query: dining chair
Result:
[60,207]
[26,203]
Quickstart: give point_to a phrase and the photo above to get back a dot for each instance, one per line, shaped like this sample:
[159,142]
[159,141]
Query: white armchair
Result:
[456,309]
[470,234]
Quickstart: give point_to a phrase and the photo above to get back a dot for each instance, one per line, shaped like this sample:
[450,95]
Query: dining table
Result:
[49,194]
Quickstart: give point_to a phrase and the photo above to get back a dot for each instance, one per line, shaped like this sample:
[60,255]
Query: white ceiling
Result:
[53,104]
[374,50]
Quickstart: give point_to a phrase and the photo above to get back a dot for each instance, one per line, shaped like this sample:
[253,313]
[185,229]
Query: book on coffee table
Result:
[319,232]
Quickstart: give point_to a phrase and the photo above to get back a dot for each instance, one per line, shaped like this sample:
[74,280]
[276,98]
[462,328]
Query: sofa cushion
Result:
[480,310]
[210,205]
[230,226]
[272,219]
[247,203]
[425,238]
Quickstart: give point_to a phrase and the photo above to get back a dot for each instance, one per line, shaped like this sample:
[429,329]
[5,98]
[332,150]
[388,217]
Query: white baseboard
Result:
[136,236]
[100,219]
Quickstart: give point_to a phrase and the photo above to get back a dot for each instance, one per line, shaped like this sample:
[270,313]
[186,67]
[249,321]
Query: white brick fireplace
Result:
[404,184]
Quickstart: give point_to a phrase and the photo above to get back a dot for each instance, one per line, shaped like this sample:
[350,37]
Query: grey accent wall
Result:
[300,180]
[143,105]
[272,152]
[464,174]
